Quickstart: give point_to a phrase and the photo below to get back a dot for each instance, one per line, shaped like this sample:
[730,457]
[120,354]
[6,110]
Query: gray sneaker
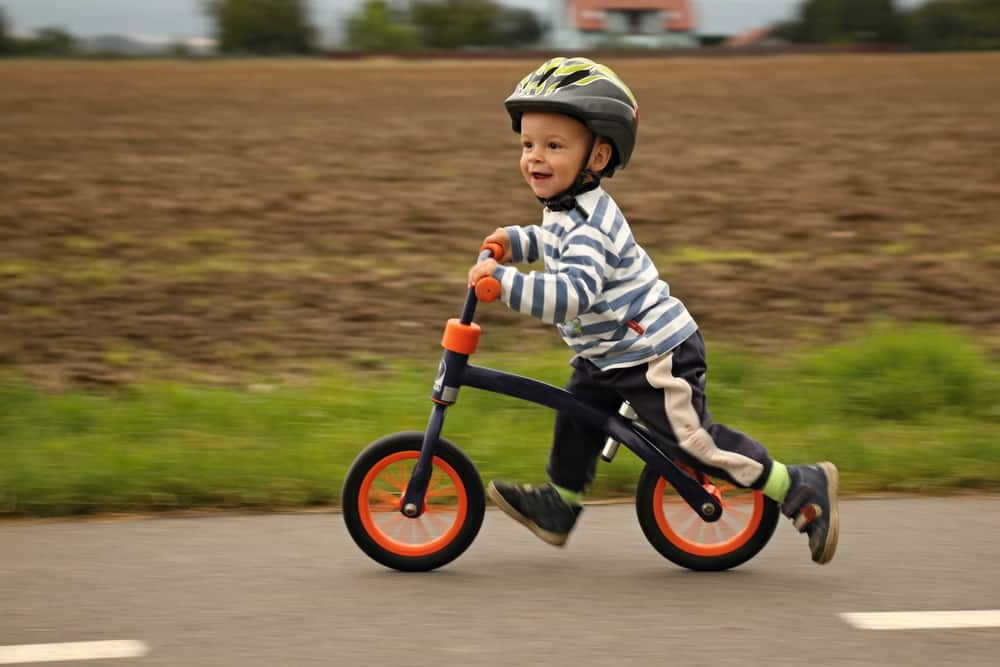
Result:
[812,504]
[541,509]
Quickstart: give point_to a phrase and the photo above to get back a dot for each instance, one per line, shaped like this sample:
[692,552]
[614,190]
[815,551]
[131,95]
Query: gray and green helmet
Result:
[590,92]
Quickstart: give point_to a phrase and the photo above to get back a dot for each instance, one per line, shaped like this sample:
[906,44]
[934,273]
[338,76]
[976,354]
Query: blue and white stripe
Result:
[596,280]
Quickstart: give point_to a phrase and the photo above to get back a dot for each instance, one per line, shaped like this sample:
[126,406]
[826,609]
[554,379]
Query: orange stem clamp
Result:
[460,338]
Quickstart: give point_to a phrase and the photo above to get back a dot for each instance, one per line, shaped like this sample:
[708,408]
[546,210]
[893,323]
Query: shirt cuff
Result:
[516,247]
[499,273]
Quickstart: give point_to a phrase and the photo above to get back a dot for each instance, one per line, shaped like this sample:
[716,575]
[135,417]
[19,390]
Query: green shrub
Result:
[905,373]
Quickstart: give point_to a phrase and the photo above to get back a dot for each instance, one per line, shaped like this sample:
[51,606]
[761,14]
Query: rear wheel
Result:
[372,501]
[676,531]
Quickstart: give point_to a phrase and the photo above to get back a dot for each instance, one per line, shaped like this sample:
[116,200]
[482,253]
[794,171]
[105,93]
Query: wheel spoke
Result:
[446,483]
[688,524]
[740,511]
[676,504]
[731,523]
[395,477]
[392,524]
[421,529]
[436,521]
[741,499]
[723,531]
[384,496]
[679,514]
[441,492]
[700,538]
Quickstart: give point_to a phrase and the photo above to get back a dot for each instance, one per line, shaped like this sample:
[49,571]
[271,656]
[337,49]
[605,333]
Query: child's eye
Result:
[527,145]
[554,146]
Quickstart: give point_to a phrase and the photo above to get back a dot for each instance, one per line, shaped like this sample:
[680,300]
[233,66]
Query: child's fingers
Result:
[481,270]
[500,236]
[475,273]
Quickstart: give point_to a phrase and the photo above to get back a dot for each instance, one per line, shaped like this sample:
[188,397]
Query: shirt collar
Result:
[588,200]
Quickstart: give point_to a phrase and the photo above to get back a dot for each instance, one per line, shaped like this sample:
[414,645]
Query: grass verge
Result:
[897,409]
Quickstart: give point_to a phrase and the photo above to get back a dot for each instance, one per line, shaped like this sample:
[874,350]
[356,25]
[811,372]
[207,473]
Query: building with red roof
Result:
[629,23]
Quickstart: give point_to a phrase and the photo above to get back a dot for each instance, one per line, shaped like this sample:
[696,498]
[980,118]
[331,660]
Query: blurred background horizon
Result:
[167,21]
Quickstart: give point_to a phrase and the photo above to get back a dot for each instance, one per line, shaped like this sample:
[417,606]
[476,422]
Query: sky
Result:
[183,18]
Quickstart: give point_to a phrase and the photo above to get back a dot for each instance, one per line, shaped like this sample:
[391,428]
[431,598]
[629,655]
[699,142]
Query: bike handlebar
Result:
[488,287]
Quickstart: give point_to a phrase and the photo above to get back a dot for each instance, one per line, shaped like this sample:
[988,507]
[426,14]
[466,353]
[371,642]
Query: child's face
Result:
[553,147]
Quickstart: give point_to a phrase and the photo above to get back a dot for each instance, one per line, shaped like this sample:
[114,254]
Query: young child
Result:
[633,341]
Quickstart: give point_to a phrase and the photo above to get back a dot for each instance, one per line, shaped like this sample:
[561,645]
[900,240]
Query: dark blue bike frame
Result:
[455,372]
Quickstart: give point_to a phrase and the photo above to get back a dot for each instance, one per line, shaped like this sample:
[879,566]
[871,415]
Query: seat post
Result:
[610,444]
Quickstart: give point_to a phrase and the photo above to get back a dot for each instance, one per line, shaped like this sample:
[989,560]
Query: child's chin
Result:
[544,193]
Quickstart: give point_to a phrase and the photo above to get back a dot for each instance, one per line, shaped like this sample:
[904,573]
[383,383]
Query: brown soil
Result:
[224,220]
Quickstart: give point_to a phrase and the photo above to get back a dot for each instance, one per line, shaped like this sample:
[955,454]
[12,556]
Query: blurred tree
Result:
[454,23]
[450,24]
[6,42]
[955,24]
[519,27]
[49,41]
[790,31]
[711,39]
[179,49]
[261,26]
[830,21]
[872,21]
[378,27]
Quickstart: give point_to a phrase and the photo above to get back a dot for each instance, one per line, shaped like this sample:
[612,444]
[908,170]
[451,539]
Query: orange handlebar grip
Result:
[488,289]
[495,248]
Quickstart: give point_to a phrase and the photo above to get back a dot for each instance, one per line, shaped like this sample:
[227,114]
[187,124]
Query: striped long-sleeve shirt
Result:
[599,286]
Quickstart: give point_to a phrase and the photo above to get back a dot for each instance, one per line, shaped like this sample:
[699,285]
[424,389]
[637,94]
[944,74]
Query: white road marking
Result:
[104,650]
[924,620]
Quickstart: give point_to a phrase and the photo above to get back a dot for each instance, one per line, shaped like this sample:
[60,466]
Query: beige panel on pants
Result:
[686,424]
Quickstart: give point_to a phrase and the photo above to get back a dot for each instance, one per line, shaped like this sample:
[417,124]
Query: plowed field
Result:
[224,220]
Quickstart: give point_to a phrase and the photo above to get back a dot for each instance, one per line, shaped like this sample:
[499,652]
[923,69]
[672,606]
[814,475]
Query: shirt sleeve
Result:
[524,245]
[561,295]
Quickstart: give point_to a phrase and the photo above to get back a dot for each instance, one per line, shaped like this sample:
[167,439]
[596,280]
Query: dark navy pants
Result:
[668,394]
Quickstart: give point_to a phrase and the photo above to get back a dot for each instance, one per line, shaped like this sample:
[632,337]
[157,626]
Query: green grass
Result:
[699,255]
[897,409]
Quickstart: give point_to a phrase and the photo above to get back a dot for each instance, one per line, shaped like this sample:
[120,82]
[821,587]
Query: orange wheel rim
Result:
[742,512]
[381,497]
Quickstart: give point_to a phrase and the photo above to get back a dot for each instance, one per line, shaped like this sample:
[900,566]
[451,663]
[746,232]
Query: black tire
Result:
[748,538]
[362,515]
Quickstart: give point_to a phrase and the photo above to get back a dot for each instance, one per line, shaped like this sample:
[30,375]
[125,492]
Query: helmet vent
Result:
[574,77]
[547,75]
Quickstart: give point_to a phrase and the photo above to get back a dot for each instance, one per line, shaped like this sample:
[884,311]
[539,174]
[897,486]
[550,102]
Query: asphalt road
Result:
[294,590]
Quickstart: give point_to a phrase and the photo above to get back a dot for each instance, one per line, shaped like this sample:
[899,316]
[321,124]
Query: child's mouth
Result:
[536,176]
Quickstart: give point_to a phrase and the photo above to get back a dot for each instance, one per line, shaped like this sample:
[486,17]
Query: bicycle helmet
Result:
[588,91]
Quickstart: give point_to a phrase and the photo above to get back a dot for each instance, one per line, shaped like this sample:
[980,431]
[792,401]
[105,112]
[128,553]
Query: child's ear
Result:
[601,156]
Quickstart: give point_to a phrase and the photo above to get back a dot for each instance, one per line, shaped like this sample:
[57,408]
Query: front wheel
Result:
[676,531]
[373,495]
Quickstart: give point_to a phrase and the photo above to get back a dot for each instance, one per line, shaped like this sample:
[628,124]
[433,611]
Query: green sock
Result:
[777,482]
[570,497]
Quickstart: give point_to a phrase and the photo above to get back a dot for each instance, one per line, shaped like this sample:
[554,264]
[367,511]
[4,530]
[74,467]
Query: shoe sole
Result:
[555,539]
[833,529]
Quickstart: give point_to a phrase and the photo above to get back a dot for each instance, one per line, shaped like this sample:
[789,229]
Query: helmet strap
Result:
[566,200]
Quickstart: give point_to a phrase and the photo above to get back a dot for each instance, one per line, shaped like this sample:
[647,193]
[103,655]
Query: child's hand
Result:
[500,236]
[481,270]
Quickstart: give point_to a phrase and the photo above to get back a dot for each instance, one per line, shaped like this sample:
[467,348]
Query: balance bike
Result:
[414,501]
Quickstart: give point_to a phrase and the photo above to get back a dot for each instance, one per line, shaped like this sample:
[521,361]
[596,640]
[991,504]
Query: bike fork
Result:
[416,490]
[445,393]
